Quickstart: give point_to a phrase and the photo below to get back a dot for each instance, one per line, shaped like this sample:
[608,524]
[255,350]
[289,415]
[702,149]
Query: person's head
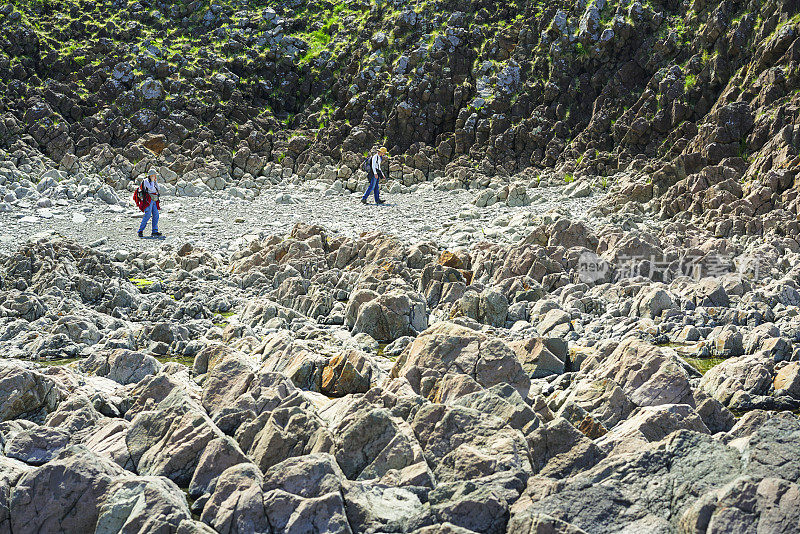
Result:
[152,176]
[383,152]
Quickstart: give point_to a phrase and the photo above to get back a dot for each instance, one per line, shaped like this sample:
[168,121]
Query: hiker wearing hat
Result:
[373,167]
[148,202]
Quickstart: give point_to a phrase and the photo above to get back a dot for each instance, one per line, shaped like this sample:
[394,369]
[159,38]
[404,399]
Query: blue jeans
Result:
[150,211]
[373,186]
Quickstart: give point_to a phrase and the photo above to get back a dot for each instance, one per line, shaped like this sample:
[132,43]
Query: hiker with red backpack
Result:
[372,165]
[146,198]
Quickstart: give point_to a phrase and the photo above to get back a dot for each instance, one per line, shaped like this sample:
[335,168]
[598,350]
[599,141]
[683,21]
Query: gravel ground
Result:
[213,223]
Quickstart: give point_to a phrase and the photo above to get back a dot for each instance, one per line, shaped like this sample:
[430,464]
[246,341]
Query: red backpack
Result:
[141,198]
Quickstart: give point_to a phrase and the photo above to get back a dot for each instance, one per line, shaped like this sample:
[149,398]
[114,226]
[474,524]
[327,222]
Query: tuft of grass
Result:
[141,283]
[569,178]
[704,364]
[691,81]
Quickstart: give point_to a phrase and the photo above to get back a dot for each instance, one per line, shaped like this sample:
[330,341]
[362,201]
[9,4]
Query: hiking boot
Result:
[380,202]
[363,200]
[140,233]
[156,234]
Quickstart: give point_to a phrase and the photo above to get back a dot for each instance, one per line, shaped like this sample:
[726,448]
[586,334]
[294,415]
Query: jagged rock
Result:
[121,365]
[170,441]
[74,414]
[748,504]
[345,373]
[25,393]
[375,508]
[237,504]
[143,504]
[463,443]
[537,359]
[447,347]
[369,442]
[390,316]
[750,374]
[10,472]
[664,475]
[288,432]
[558,450]
[652,304]
[64,495]
[220,454]
[530,522]
[649,424]
[306,476]
[37,445]
[480,505]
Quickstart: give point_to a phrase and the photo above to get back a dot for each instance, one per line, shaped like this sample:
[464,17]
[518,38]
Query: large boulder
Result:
[121,365]
[380,508]
[752,374]
[306,476]
[10,472]
[462,443]
[169,442]
[389,316]
[25,393]
[64,495]
[369,442]
[652,303]
[538,356]
[37,446]
[220,454]
[449,348]
[286,432]
[237,504]
[648,375]
[347,372]
[558,450]
[645,491]
[648,424]
[143,504]
[746,504]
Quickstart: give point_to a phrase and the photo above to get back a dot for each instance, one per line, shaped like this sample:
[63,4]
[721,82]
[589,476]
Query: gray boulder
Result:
[64,495]
[537,358]
[142,504]
[237,504]
[121,365]
[37,446]
[746,504]
[25,393]
[462,443]
[449,348]
[10,472]
[390,316]
[379,508]
[169,442]
[648,424]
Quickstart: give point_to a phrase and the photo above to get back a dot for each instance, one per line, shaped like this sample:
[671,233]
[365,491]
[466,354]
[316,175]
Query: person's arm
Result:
[376,167]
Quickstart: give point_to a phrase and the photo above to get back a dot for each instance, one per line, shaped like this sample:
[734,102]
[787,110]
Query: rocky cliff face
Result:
[697,99]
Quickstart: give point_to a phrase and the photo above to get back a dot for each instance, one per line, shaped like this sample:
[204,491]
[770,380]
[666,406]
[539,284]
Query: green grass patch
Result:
[690,82]
[703,364]
[188,361]
[142,283]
